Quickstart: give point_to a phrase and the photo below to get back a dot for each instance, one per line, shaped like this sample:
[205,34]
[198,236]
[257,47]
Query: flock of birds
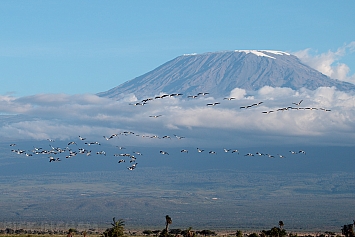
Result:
[296,105]
[295,108]
[72,148]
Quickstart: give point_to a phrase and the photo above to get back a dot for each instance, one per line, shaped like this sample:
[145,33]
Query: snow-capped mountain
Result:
[220,72]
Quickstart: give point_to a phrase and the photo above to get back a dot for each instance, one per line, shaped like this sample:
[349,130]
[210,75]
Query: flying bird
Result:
[175,94]
[107,138]
[52,159]
[178,137]
[101,153]
[298,104]
[256,104]
[268,112]
[199,150]
[213,104]
[132,167]
[164,153]
[202,93]
[138,103]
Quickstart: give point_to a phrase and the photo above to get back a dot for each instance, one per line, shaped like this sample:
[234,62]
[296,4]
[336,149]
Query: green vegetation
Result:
[206,232]
[117,229]
[348,230]
[274,232]
[147,232]
[253,235]
[72,231]
[188,232]
[239,233]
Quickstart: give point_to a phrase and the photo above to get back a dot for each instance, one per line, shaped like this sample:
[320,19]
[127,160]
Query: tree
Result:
[168,221]
[156,232]
[165,232]
[348,230]
[116,230]
[206,232]
[239,233]
[253,235]
[275,232]
[175,231]
[188,232]
[147,232]
[281,224]
[72,230]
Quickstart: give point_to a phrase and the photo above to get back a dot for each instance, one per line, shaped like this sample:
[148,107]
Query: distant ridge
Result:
[220,72]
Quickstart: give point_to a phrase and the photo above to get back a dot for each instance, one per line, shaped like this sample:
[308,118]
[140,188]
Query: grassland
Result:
[213,199]
[225,193]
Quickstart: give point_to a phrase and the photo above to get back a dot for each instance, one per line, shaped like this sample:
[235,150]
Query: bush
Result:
[116,230]
[147,232]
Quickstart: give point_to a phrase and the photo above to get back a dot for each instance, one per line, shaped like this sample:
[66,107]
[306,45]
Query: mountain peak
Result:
[221,72]
[263,53]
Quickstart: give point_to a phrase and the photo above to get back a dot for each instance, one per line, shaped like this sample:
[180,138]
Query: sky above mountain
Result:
[88,46]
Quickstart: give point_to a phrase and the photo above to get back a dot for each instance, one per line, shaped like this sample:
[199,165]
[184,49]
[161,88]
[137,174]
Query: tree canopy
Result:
[117,229]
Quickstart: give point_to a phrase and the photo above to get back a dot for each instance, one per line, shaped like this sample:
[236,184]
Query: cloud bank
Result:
[328,63]
[325,116]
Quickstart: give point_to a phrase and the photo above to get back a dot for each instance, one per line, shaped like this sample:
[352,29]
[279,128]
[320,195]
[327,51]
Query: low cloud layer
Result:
[328,63]
[285,116]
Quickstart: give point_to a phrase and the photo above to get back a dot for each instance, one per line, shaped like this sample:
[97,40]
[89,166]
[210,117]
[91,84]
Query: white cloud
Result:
[328,63]
[238,93]
[272,93]
[67,116]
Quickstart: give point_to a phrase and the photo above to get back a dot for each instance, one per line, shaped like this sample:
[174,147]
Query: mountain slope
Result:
[219,73]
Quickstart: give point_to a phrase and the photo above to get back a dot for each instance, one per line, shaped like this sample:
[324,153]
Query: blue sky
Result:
[78,47]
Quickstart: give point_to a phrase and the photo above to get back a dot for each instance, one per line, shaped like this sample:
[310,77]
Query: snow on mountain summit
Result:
[263,53]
